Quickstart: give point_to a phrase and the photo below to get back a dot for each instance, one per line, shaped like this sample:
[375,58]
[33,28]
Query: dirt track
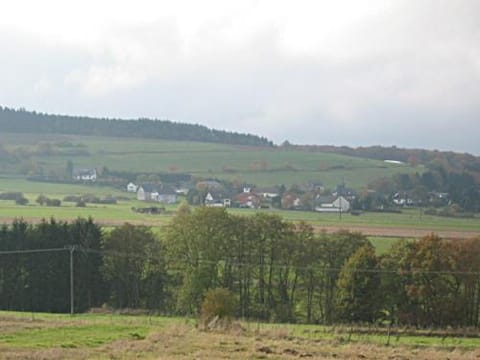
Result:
[401,232]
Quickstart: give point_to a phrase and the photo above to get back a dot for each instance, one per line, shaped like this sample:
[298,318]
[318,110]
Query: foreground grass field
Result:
[89,336]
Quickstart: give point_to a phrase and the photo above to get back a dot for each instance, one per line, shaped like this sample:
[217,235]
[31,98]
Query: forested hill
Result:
[22,121]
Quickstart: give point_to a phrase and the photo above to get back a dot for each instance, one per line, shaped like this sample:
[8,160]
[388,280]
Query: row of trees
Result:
[433,188]
[283,271]
[277,270]
[12,120]
[122,268]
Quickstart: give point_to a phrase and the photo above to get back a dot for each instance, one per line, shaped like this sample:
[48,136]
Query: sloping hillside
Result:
[30,154]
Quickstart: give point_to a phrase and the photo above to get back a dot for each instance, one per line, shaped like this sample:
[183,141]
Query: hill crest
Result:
[23,121]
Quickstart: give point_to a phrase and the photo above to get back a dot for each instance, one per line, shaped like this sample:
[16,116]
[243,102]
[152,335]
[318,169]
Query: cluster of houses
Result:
[214,195]
[312,196]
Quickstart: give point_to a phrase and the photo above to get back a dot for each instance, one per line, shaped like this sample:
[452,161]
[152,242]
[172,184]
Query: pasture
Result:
[112,336]
[383,228]
[262,166]
[256,165]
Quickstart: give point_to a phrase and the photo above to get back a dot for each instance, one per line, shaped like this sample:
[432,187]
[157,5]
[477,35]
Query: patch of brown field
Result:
[399,231]
[47,354]
[11,324]
[183,341]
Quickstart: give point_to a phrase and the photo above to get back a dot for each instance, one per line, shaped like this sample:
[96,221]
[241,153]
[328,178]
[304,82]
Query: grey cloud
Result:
[410,77]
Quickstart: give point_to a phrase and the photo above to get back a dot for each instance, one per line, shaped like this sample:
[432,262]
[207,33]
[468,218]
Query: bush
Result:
[90,198]
[72,198]
[53,202]
[80,203]
[107,200]
[219,302]
[41,199]
[21,201]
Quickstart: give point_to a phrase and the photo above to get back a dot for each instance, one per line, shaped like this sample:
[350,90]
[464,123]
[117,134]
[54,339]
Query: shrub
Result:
[80,203]
[41,199]
[90,198]
[72,198]
[53,202]
[21,201]
[107,200]
[219,302]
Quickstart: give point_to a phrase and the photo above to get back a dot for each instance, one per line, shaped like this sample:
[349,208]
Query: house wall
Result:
[141,195]
[327,209]
[342,203]
[132,187]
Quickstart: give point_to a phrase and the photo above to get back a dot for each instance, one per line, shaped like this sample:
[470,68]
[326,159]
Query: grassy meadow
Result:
[112,336]
[382,228]
[262,166]
[122,211]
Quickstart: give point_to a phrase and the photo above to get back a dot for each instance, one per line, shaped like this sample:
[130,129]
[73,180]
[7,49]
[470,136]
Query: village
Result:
[309,196]
[212,193]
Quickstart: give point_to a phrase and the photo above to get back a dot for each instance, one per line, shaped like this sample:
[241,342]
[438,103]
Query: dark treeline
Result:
[40,281]
[21,121]
[461,190]
[122,268]
[277,271]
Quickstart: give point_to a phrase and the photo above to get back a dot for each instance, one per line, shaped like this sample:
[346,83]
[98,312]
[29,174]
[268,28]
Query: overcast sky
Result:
[403,73]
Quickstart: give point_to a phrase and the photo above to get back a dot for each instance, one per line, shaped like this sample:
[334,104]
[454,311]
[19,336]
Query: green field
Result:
[261,166]
[122,211]
[110,336]
[257,165]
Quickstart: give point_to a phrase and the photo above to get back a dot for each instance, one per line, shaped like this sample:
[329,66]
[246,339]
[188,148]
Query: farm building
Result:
[84,174]
[160,193]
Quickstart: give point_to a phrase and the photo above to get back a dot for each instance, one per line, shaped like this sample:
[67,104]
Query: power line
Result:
[32,251]
[246,264]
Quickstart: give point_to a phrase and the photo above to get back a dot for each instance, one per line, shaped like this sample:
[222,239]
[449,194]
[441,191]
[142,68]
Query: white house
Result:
[152,193]
[147,193]
[131,187]
[332,204]
[216,199]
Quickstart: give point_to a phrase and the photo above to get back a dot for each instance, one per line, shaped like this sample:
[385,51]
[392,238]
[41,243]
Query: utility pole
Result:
[72,293]
[340,209]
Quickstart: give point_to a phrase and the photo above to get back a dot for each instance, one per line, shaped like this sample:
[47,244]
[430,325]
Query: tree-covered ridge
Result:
[22,121]
[449,161]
